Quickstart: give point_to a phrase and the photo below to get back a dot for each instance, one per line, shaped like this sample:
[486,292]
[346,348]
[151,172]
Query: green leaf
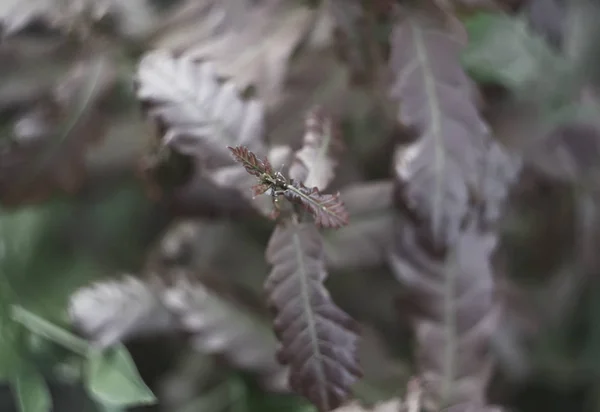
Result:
[31,391]
[54,333]
[502,49]
[10,355]
[112,379]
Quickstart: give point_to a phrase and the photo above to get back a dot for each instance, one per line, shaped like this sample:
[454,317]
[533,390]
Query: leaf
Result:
[49,143]
[250,42]
[453,164]
[31,391]
[115,311]
[439,172]
[16,15]
[504,50]
[314,164]
[202,115]
[319,341]
[328,210]
[217,326]
[111,378]
[251,163]
[451,302]
[41,327]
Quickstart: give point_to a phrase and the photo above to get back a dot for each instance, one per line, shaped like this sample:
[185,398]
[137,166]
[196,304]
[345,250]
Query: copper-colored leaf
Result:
[442,168]
[253,165]
[49,142]
[328,210]
[319,341]
[314,164]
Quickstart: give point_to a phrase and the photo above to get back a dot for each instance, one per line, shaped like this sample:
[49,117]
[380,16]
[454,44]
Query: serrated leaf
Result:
[31,391]
[440,173]
[503,49]
[328,210]
[48,145]
[202,115]
[249,42]
[111,378]
[314,164]
[114,311]
[319,340]
[451,302]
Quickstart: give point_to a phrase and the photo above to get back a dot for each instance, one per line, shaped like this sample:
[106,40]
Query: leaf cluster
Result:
[284,141]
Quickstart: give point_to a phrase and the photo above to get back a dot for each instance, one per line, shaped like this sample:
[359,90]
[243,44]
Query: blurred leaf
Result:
[249,42]
[314,164]
[110,312]
[319,340]
[441,170]
[217,326]
[451,303]
[502,49]
[112,379]
[17,14]
[31,391]
[202,116]
[54,333]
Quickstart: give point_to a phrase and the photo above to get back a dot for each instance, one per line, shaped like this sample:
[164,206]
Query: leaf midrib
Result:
[435,125]
[309,314]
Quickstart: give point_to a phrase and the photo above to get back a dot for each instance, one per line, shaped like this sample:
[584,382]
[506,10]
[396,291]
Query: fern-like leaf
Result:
[202,115]
[319,341]
[440,169]
[251,163]
[328,210]
[114,311]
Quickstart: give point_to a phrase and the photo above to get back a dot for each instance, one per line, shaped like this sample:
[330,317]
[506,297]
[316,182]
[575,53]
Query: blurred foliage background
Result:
[87,196]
